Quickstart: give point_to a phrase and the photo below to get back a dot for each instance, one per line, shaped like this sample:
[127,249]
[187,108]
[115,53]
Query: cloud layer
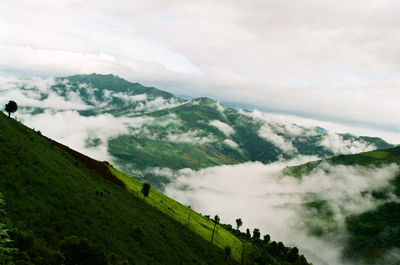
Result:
[266,199]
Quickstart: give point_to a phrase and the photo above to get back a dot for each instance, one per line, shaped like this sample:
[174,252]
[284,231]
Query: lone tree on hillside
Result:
[239,223]
[145,190]
[190,213]
[11,107]
[216,221]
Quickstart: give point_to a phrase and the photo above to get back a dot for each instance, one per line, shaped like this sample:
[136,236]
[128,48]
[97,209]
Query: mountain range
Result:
[152,135]
[152,129]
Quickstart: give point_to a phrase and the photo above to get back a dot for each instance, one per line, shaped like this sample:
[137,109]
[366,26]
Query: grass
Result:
[198,223]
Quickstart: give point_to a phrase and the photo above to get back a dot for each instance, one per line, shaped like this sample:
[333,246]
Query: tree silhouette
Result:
[216,221]
[267,238]
[11,107]
[145,190]
[190,213]
[256,233]
[239,223]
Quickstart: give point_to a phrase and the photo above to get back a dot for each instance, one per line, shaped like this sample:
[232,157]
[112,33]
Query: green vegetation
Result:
[142,153]
[6,252]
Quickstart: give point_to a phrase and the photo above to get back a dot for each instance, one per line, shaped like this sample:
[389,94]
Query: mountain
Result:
[372,230]
[151,129]
[66,208]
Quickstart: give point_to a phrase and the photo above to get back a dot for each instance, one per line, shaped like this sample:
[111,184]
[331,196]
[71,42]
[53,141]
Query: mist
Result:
[266,199]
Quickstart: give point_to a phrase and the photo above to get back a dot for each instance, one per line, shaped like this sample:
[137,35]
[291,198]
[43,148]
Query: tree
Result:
[11,107]
[190,213]
[239,223]
[228,251]
[248,233]
[216,221]
[145,190]
[293,255]
[256,233]
[267,238]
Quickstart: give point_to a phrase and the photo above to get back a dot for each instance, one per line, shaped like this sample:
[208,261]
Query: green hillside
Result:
[373,234]
[65,208]
[59,208]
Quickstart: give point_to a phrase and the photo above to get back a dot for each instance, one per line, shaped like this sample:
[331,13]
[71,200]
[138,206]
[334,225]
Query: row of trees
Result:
[264,251]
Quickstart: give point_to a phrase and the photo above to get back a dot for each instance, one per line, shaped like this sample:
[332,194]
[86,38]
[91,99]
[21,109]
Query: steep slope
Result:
[59,208]
[66,208]
[372,234]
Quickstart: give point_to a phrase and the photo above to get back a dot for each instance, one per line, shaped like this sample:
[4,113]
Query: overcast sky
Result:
[337,61]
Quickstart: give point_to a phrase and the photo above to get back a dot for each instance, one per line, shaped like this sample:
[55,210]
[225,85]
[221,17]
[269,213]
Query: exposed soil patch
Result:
[99,167]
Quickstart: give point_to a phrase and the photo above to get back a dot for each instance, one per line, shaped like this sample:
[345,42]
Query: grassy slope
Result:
[50,196]
[198,223]
[373,232]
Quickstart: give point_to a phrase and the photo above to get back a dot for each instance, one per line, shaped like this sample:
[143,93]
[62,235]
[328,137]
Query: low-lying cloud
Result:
[73,130]
[281,133]
[264,198]
[223,127]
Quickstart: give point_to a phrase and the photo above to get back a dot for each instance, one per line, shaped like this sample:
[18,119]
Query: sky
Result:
[332,61]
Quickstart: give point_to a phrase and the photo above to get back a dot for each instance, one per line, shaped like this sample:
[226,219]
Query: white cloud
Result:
[231,143]
[223,127]
[279,141]
[264,198]
[130,98]
[275,126]
[220,108]
[157,104]
[71,129]
[30,95]
[338,145]
[191,137]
